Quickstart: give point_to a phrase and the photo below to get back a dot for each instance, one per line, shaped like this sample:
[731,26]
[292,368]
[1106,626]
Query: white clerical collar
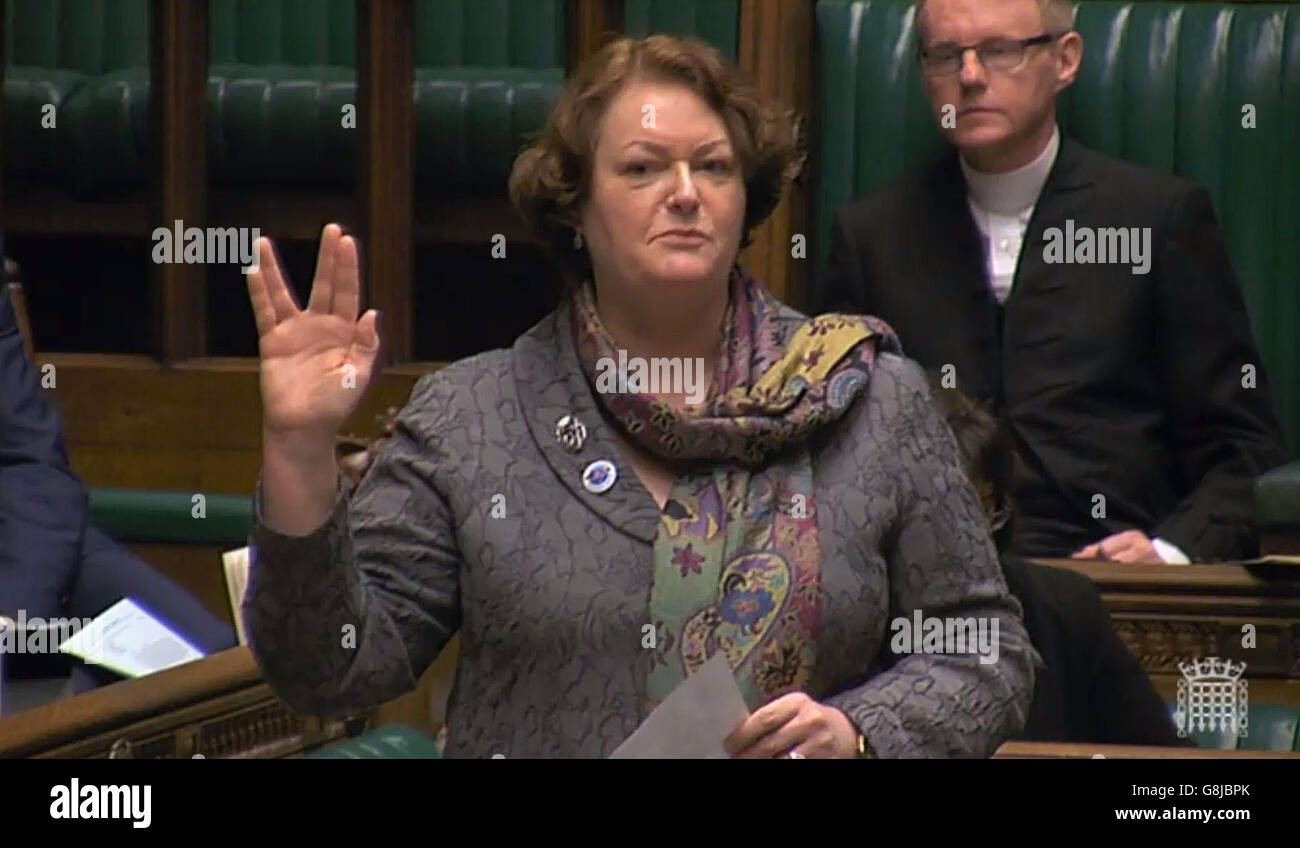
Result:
[1012,192]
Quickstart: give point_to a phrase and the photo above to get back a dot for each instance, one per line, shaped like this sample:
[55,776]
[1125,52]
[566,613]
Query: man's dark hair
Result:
[987,455]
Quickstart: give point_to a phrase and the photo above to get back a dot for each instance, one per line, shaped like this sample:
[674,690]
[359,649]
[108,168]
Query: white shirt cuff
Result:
[1170,553]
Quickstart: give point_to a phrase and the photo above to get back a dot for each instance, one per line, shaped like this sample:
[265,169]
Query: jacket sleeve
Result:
[942,562]
[42,502]
[352,614]
[1222,424]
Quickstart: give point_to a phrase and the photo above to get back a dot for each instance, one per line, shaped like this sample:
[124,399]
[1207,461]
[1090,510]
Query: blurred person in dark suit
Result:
[1121,380]
[1091,688]
[53,564]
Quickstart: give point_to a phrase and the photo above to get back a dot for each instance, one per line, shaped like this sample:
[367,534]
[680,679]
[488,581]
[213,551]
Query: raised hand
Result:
[316,362]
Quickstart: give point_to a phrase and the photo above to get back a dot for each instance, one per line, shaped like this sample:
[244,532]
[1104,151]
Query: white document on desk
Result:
[130,641]
[693,721]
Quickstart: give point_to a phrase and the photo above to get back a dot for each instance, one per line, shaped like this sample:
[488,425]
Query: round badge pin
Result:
[571,432]
[599,477]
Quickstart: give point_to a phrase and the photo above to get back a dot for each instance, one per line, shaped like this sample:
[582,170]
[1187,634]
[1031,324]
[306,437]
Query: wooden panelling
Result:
[179,68]
[133,423]
[1172,614]
[591,24]
[1279,541]
[468,219]
[196,569]
[128,702]
[385,74]
[439,217]
[217,707]
[286,213]
[51,209]
[775,52]
[1079,751]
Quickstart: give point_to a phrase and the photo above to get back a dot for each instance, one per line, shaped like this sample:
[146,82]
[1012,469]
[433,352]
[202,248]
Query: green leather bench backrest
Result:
[282,32]
[90,36]
[468,33]
[1162,84]
[714,21]
[94,36]
[280,72]
[490,33]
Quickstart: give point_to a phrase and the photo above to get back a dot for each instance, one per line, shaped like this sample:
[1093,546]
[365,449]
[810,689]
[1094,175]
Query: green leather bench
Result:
[1277,510]
[393,742]
[145,516]
[1269,727]
[54,51]
[486,74]
[1162,84]
[281,71]
[714,21]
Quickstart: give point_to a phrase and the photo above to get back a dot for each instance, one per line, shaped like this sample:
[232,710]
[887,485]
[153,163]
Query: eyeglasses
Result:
[996,54]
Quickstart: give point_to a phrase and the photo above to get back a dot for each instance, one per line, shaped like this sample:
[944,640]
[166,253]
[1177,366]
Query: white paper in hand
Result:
[130,641]
[693,721]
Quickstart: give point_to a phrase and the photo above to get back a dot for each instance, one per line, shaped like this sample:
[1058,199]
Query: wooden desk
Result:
[1070,751]
[221,707]
[218,707]
[1168,614]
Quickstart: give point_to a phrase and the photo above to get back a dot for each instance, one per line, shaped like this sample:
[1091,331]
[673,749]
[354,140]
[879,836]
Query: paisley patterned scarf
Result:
[737,559]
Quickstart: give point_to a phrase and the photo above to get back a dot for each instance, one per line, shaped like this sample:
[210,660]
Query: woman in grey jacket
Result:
[670,466]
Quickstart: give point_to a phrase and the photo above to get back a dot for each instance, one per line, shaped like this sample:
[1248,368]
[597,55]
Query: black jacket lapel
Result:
[1064,195]
[957,268]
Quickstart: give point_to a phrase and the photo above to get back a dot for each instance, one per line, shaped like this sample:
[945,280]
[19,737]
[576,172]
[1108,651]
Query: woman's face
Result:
[667,198]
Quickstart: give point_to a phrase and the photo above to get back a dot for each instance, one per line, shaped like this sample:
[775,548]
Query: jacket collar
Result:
[1065,190]
[961,257]
[1013,192]
[1070,172]
[551,384]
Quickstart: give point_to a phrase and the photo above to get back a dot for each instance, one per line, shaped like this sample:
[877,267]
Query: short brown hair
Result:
[552,176]
[1057,15]
[988,455]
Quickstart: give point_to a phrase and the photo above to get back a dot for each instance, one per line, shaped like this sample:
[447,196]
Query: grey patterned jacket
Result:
[551,599]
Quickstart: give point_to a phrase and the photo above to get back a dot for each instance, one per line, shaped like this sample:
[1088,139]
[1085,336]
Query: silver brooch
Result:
[571,432]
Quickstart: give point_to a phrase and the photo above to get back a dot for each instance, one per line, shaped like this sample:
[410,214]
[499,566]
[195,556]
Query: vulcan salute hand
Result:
[317,362]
